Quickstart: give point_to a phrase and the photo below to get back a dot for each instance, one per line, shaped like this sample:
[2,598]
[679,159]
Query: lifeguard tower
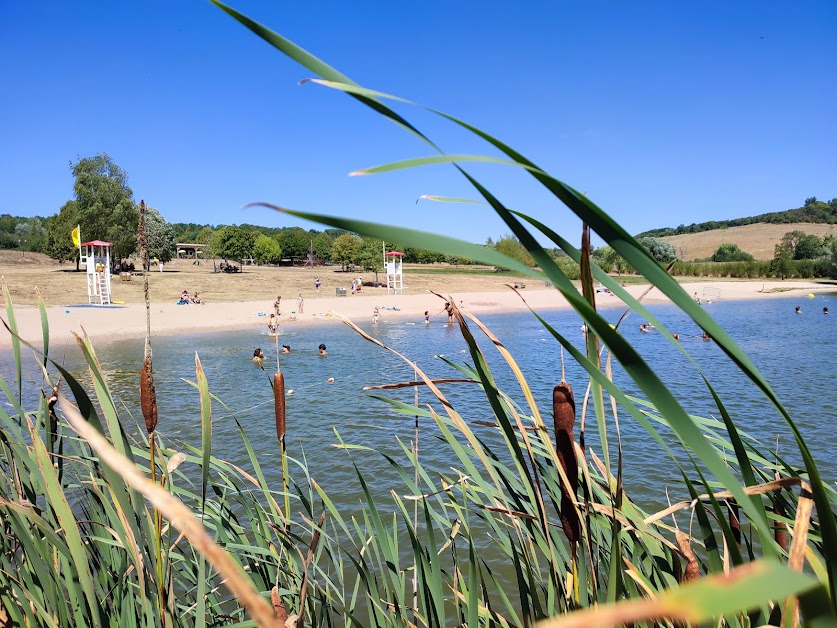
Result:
[395,275]
[96,259]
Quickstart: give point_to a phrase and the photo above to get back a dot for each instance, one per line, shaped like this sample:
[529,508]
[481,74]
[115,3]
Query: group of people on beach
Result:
[186,299]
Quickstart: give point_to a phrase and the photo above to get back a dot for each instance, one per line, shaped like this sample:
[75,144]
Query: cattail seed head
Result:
[148,395]
[279,404]
[692,571]
[563,407]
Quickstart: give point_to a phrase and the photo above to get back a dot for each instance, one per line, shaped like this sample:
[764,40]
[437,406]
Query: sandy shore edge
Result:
[105,324]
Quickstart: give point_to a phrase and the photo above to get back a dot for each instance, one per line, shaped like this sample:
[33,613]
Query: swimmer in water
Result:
[676,336]
[271,325]
[798,310]
[707,337]
[286,348]
[322,349]
[258,357]
[426,317]
[643,327]
[825,310]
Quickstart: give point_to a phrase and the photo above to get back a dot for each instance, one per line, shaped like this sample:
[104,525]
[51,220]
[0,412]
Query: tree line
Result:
[813,210]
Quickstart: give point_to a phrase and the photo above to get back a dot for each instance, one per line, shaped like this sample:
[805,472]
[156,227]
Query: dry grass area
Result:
[759,240]
[61,285]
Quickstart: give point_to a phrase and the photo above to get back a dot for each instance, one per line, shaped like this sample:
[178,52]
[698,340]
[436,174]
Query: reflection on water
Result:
[795,353]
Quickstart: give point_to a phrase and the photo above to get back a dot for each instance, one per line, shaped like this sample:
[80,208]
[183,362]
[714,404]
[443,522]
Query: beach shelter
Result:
[395,271]
[95,255]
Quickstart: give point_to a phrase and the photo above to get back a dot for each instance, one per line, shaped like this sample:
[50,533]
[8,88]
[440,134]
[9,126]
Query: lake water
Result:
[796,353]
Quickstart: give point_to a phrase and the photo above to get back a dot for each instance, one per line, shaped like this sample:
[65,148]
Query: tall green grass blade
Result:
[12,327]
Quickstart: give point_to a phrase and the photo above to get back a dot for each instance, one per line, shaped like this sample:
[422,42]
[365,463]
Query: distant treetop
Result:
[812,211]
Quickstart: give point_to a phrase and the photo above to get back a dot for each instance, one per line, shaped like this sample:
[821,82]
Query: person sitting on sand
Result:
[276,305]
[184,298]
[196,298]
[286,348]
[271,325]
[322,349]
[258,357]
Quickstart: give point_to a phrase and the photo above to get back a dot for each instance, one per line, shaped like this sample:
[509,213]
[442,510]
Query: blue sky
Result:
[662,112]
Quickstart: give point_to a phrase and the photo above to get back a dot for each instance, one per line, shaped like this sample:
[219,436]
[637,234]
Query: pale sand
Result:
[128,321]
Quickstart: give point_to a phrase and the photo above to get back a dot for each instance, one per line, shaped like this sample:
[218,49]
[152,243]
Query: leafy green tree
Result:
[204,236]
[234,243]
[322,246]
[59,242]
[161,242]
[511,247]
[295,243]
[370,256]
[346,249]
[609,260]
[30,234]
[782,256]
[661,251]
[266,250]
[104,206]
[730,252]
[809,246]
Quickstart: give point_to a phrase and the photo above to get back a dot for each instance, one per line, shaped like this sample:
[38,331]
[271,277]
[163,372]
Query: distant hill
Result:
[813,211]
[759,240]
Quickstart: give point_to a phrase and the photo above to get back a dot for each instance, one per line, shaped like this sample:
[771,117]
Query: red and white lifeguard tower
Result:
[395,272]
[96,258]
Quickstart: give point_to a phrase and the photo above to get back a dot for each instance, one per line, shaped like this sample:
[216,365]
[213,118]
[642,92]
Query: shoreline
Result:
[123,322]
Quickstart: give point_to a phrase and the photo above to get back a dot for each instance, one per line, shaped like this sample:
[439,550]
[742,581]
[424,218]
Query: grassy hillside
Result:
[758,239]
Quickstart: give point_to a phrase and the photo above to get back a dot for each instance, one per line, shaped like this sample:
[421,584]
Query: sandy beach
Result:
[104,324]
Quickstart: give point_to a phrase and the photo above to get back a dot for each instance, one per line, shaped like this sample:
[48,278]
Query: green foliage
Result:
[322,246]
[661,251]
[22,233]
[104,204]
[346,249]
[295,243]
[234,243]
[809,246]
[812,211]
[610,261]
[59,243]
[266,250]
[370,257]
[161,242]
[511,247]
[731,253]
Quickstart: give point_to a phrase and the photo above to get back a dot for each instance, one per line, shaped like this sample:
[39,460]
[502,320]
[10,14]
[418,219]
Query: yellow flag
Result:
[76,237]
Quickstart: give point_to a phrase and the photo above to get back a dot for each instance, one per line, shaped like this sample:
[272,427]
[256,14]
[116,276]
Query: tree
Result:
[782,256]
[161,242]
[345,249]
[104,204]
[59,242]
[295,243]
[370,256]
[30,234]
[809,246]
[661,251]
[609,260]
[729,252]
[266,250]
[322,246]
[511,247]
[234,243]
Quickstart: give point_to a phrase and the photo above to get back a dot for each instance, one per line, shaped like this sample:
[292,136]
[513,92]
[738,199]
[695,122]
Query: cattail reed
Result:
[279,405]
[734,520]
[692,570]
[279,609]
[780,532]
[148,395]
[563,407]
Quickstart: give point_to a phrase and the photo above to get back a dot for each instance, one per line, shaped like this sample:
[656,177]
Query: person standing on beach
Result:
[276,305]
[299,303]
[375,316]
[426,317]
[317,283]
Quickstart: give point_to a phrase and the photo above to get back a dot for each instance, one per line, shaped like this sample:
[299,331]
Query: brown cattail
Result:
[278,606]
[692,570]
[279,404]
[148,396]
[780,532]
[563,407]
[734,520]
